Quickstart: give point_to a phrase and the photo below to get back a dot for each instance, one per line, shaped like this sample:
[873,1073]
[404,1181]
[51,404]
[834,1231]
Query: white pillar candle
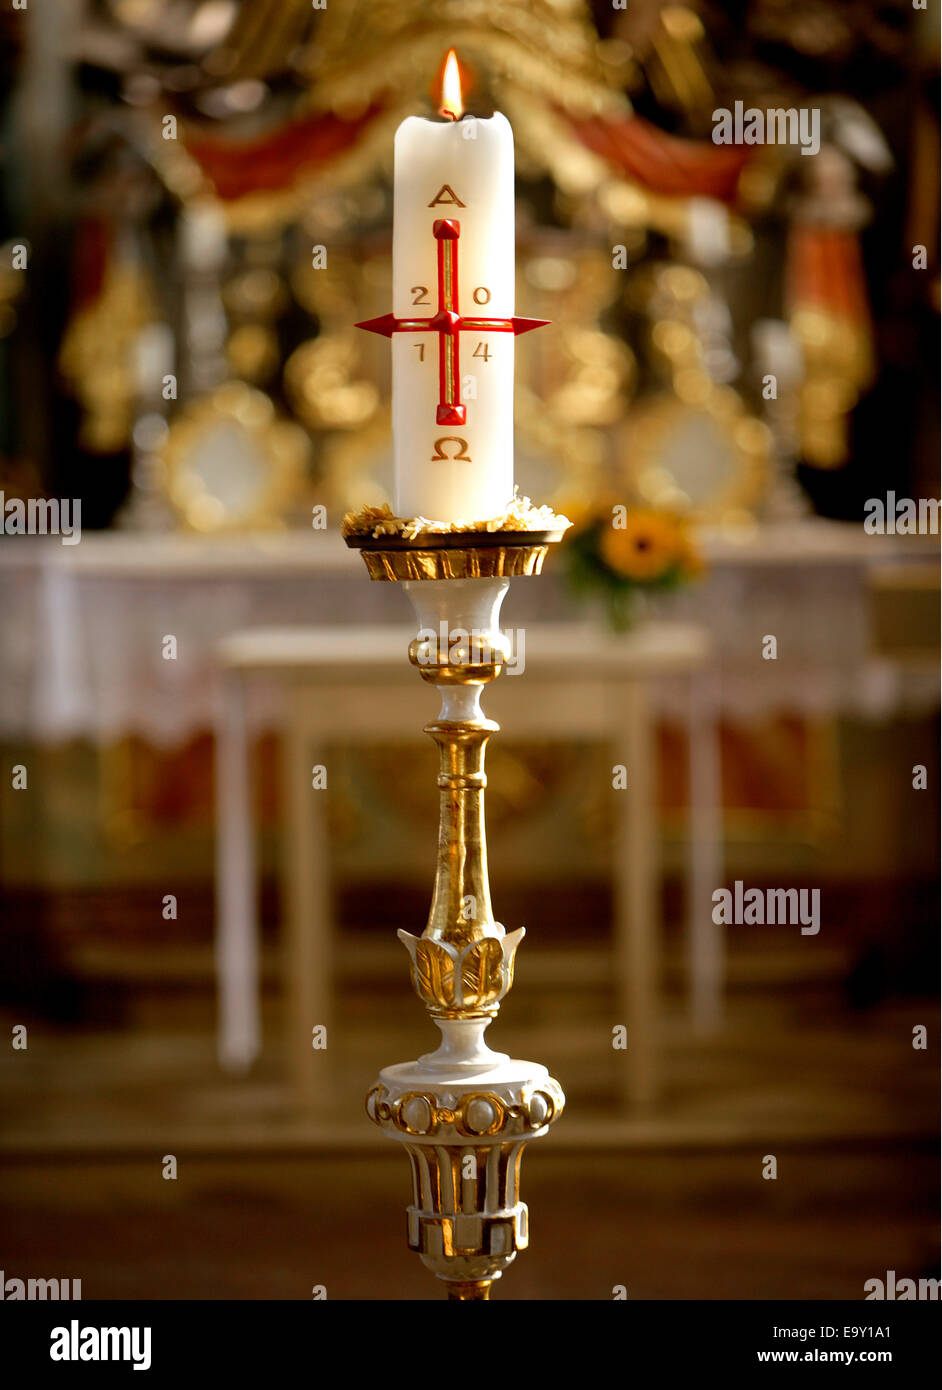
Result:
[452,324]
[454,464]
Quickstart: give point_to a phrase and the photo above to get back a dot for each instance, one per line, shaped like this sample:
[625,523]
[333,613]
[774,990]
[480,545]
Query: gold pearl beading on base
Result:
[474,1115]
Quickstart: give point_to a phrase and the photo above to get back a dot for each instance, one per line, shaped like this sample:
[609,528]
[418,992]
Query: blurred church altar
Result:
[195,210]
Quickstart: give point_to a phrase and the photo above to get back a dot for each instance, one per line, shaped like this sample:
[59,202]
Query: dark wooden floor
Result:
[669,1201]
[691,1225]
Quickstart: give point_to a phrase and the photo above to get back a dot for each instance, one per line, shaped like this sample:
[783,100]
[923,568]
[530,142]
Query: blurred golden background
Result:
[195,209]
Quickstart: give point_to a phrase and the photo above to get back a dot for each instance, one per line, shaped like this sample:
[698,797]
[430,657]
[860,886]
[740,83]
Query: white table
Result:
[357,685]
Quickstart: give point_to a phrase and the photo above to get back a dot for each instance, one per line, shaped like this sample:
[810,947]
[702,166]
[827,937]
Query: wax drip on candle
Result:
[451,107]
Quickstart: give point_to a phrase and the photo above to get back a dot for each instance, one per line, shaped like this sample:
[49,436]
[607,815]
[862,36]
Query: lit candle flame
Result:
[451,88]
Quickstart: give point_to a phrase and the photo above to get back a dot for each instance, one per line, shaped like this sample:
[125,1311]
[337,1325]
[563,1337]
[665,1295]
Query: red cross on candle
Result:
[449,325]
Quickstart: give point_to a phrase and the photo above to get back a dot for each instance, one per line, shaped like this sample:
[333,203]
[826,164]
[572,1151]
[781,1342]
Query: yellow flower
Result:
[646,547]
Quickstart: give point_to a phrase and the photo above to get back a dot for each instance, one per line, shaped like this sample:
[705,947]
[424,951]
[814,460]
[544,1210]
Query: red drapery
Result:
[272,162]
[664,163]
[660,162]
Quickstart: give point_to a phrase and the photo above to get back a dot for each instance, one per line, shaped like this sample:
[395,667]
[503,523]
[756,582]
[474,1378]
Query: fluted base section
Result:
[464,1130]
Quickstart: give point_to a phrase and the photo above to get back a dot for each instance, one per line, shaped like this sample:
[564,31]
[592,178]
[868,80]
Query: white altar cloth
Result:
[82,627]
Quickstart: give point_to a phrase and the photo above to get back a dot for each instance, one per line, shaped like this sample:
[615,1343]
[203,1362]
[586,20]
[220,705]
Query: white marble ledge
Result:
[551,648]
[184,555]
[146,555]
[809,541]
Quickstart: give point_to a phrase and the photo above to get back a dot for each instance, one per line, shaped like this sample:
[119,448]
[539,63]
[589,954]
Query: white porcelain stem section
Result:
[462,1048]
[451,609]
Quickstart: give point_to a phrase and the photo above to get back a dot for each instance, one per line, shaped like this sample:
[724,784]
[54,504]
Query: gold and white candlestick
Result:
[463,1113]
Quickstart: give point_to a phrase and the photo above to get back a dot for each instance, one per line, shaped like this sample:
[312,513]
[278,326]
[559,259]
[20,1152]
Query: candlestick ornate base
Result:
[463,1113]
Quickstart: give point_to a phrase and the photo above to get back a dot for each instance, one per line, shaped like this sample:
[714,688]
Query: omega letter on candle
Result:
[453,325]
